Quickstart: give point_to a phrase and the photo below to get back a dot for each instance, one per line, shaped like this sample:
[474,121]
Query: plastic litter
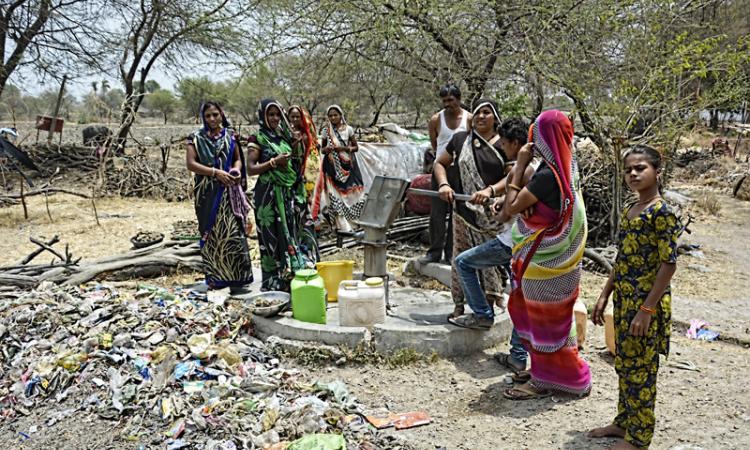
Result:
[171,368]
[699,330]
[319,442]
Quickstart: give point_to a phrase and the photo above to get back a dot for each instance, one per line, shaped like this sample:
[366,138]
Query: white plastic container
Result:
[361,303]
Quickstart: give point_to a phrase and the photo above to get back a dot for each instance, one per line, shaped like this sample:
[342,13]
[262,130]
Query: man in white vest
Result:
[442,126]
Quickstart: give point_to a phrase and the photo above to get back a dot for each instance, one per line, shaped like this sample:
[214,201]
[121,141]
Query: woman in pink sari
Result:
[549,242]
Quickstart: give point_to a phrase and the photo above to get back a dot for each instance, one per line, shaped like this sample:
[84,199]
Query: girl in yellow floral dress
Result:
[646,261]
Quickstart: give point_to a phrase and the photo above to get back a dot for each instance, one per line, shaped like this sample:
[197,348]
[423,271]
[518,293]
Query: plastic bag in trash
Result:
[319,442]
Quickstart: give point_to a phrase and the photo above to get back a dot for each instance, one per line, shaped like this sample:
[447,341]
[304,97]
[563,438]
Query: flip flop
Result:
[521,393]
[453,315]
[470,321]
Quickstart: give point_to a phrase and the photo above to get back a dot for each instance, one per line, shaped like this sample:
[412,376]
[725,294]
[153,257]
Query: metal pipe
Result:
[429,193]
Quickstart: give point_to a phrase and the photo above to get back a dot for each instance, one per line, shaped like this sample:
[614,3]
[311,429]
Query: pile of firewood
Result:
[139,176]
[50,157]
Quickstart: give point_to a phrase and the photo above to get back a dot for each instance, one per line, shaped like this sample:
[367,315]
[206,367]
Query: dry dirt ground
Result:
[706,409]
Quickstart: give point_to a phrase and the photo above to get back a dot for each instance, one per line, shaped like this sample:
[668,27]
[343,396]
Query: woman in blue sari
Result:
[215,157]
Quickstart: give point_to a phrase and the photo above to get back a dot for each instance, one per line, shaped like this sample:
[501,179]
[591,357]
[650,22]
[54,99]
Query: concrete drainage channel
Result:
[417,320]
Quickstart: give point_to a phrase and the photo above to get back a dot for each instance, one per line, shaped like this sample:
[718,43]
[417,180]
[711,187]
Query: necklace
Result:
[646,202]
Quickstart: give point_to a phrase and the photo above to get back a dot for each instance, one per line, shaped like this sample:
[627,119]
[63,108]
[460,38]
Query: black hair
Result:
[450,89]
[652,155]
[515,129]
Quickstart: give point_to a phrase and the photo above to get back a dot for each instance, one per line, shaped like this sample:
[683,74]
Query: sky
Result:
[31,83]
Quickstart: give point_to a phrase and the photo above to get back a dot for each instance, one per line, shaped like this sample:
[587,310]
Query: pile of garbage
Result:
[180,369]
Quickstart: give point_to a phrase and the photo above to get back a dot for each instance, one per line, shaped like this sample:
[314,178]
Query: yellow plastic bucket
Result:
[333,273]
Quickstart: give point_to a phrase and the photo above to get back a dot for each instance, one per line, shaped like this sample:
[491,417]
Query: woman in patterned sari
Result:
[339,190]
[472,161]
[215,157]
[549,241]
[305,143]
[279,198]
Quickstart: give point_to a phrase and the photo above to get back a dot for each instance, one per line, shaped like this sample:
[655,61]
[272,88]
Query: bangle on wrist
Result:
[213,171]
[648,310]
[272,162]
[513,186]
[492,191]
[444,184]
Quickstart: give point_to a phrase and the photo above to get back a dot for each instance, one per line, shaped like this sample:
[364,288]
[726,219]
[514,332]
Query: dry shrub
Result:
[709,203]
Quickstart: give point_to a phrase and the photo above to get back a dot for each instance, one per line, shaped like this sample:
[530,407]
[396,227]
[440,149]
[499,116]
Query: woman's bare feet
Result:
[610,430]
[622,445]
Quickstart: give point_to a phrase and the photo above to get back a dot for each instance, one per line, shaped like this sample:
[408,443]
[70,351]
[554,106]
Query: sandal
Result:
[525,393]
[522,376]
[455,313]
[509,362]
[472,321]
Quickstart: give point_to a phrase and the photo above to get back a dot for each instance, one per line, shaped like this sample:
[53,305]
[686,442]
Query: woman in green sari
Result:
[280,200]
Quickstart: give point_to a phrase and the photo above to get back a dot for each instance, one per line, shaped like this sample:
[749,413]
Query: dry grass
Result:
[709,203]
[73,220]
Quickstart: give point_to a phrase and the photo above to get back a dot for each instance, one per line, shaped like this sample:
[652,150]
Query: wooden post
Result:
[57,110]
[23,202]
[614,219]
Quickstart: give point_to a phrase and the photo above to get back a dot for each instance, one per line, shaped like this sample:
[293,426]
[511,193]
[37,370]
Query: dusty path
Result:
[722,295]
[707,409]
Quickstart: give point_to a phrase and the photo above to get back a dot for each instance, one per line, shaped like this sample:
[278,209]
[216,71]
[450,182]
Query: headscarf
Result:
[207,145]
[333,132]
[224,121]
[482,102]
[310,134]
[552,135]
[283,130]
[276,141]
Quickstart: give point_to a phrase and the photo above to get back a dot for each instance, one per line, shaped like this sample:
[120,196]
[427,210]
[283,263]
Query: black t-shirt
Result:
[543,185]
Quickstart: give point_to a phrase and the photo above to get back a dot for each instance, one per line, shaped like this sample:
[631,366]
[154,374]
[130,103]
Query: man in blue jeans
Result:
[493,253]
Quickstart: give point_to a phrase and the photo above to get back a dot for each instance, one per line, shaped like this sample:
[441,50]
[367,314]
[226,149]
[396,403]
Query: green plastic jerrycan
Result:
[309,297]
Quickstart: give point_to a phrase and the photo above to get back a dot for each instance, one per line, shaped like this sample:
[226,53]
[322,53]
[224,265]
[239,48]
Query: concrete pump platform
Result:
[417,320]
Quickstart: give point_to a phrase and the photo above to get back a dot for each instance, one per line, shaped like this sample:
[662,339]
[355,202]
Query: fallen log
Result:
[21,281]
[160,259]
[48,190]
[598,258]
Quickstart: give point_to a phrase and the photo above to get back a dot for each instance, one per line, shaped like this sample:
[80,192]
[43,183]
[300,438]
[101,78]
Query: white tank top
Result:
[445,134]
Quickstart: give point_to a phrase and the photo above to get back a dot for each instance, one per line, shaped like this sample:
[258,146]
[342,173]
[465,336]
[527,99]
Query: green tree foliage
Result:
[192,92]
[163,101]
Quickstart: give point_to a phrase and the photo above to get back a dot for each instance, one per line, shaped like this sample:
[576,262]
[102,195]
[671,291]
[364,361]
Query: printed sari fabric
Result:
[280,205]
[308,153]
[223,243]
[645,243]
[473,224]
[547,267]
[339,190]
